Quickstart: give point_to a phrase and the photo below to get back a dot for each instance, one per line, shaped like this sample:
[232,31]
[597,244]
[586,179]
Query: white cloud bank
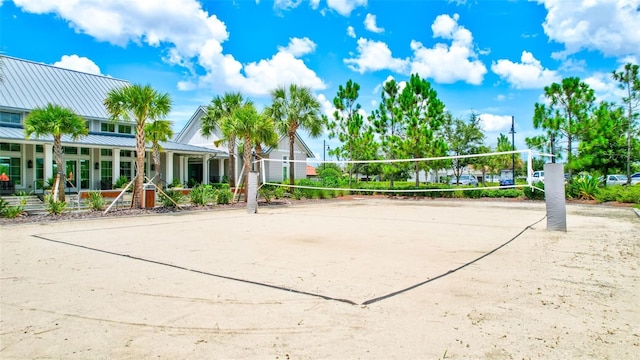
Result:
[444,63]
[528,74]
[192,38]
[608,26]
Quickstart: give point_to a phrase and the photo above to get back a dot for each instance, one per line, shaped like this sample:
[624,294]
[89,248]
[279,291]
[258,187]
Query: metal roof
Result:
[27,85]
[105,141]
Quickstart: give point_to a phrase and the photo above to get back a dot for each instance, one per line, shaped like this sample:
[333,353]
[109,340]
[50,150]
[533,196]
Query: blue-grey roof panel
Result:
[111,141]
[28,85]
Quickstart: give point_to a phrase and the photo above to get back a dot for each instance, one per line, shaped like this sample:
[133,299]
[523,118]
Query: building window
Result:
[70,150]
[10,147]
[9,118]
[84,151]
[125,153]
[285,168]
[125,169]
[11,167]
[106,174]
[40,180]
[106,152]
[39,149]
[107,127]
[124,129]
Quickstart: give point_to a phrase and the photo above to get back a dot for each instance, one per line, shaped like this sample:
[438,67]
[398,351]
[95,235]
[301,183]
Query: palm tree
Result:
[246,126]
[55,120]
[295,108]
[220,115]
[137,103]
[265,135]
[156,131]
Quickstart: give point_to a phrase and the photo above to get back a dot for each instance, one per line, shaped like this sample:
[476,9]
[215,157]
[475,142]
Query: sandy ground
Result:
[357,279]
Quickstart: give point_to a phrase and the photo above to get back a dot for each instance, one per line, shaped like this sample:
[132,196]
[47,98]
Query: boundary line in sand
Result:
[301,292]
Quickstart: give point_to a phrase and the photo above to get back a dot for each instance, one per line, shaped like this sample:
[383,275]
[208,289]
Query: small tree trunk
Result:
[136,201]
[292,175]
[57,150]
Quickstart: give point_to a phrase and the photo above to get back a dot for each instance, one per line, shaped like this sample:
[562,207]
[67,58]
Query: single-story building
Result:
[95,161]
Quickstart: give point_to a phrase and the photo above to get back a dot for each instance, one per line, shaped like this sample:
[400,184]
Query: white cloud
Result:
[314,4]
[78,63]
[370,24]
[501,97]
[608,26]
[345,7]
[495,123]
[604,87]
[326,106]
[190,37]
[351,32]
[528,74]
[299,46]
[448,63]
[374,56]
[286,4]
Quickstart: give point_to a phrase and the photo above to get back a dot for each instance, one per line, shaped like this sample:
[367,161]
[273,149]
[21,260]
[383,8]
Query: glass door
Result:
[85,170]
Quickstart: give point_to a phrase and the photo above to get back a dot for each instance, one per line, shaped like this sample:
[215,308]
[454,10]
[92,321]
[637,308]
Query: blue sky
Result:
[490,57]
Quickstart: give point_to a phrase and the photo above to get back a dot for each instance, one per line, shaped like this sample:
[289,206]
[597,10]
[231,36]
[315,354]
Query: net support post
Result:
[252,193]
[554,196]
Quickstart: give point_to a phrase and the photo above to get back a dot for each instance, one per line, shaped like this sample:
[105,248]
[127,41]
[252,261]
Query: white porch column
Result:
[115,169]
[182,168]
[48,161]
[205,169]
[221,168]
[168,176]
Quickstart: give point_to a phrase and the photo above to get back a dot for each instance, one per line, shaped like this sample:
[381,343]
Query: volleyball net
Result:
[486,171]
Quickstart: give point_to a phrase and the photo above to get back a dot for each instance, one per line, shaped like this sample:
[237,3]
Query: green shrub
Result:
[53,206]
[267,193]
[13,211]
[168,196]
[223,196]
[278,192]
[3,205]
[534,194]
[583,188]
[95,201]
[121,182]
[175,183]
[298,194]
[624,194]
[202,195]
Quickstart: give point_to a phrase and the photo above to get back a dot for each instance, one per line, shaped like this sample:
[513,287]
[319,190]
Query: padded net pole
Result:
[252,193]
[554,197]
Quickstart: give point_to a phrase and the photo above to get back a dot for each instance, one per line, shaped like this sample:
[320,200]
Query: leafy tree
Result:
[137,103]
[56,121]
[422,115]
[348,124]
[603,143]
[220,116]
[483,163]
[463,139]
[295,108]
[568,112]
[155,132]
[387,123]
[629,80]
[503,145]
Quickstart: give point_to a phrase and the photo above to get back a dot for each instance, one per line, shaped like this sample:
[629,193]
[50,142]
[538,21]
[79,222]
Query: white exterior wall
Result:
[274,168]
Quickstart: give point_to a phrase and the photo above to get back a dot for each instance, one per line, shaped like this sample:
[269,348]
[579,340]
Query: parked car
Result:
[635,178]
[538,176]
[615,179]
[465,179]
[506,178]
